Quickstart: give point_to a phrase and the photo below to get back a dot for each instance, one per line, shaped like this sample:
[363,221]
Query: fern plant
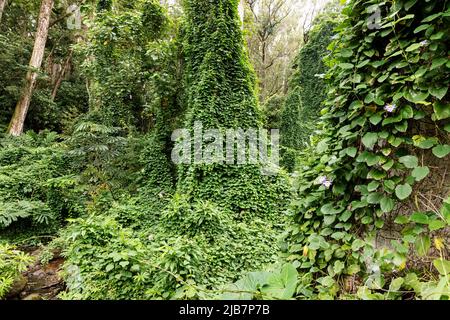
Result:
[12,263]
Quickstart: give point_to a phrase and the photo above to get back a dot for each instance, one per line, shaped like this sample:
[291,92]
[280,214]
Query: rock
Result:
[51,272]
[33,296]
[39,274]
[18,286]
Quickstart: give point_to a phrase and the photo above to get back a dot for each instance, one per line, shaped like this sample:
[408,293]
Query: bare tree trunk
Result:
[20,114]
[61,75]
[2,7]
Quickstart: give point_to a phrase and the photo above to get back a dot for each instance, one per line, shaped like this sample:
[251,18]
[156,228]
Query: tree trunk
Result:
[2,7]
[20,114]
[61,75]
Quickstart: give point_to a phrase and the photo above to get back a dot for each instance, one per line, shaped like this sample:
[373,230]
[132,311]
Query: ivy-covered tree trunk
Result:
[18,120]
[221,95]
[307,91]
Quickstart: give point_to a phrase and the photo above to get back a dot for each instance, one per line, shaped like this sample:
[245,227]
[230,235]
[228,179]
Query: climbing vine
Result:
[386,116]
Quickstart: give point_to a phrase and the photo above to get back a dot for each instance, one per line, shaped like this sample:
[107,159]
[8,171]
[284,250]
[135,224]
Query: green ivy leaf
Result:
[419,217]
[413,47]
[436,225]
[401,220]
[370,139]
[402,127]
[396,284]
[437,36]
[403,191]
[387,204]
[420,173]
[353,269]
[416,96]
[351,152]
[338,267]
[442,110]
[432,17]
[447,127]
[421,28]
[358,244]
[376,174]
[438,62]
[346,66]
[329,209]
[375,119]
[441,151]
[410,162]
[443,266]
[346,53]
[373,186]
[407,112]
[439,92]
[424,143]
[374,198]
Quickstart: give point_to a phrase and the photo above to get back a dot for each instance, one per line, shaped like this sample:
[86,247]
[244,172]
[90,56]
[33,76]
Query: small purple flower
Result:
[327,184]
[424,43]
[324,181]
[390,107]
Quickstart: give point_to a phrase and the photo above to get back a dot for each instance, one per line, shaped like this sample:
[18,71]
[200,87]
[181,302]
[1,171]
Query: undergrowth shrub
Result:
[103,261]
[37,186]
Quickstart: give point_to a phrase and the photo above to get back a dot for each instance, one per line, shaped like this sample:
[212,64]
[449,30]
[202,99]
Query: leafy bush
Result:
[36,183]
[103,261]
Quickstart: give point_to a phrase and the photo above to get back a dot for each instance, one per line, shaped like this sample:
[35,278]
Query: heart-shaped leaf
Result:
[403,191]
[410,162]
[387,204]
[441,151]
[420,173]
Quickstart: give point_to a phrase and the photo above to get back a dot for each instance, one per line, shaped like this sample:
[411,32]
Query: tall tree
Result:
[18,120]
[268,17]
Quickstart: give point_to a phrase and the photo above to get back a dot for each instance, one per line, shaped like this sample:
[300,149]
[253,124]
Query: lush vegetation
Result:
[359,207]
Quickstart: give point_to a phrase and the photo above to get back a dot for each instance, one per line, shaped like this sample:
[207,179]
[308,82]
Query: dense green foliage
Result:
[221,94]
[16,41]
[365,130]
[307,90]
[12,263]
[220,210]
[389,87]
[37,186]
